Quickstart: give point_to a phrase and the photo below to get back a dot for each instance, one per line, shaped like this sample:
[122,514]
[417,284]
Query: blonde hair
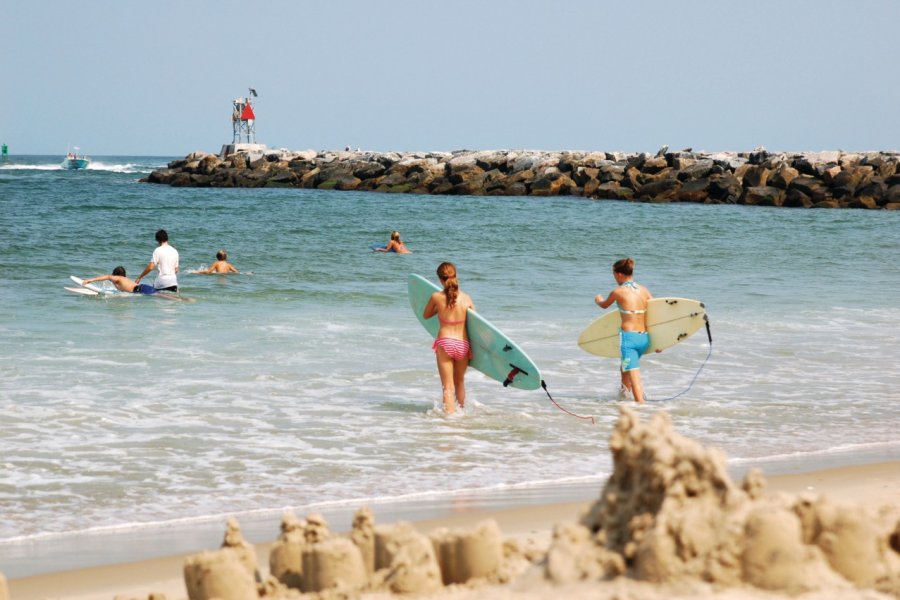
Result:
[446,272]
[395,235]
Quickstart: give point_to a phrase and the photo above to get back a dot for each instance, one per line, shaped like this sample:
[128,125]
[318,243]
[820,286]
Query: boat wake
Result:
[94,166]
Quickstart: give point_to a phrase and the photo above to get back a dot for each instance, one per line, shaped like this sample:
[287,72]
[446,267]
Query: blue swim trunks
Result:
[143,288]
[632,345]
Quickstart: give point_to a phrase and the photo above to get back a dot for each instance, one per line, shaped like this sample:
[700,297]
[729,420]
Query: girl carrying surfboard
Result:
[632,299]
[451,348]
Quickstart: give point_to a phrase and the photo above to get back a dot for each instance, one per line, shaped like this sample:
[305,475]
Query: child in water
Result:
[632,299]
[395,245]
[122,282]
[220,266]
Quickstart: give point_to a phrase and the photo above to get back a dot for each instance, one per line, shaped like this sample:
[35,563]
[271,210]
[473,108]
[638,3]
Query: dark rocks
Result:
[834,179]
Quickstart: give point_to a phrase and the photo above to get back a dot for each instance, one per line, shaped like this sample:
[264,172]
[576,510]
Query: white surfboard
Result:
[88,286]
[493,353]
[91,289]
[81,290]
[669,321]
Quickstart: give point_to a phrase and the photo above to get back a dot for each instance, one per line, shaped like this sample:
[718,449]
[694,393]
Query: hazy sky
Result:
[158,78]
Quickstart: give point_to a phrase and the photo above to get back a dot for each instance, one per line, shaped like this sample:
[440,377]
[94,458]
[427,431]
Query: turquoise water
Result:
[310,381]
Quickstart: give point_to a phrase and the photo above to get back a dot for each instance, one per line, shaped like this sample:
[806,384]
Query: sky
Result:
[158,78]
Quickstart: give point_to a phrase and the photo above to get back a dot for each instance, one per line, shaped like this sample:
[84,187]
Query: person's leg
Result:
[459,380]
[626,382]
[637,386]
[446,371]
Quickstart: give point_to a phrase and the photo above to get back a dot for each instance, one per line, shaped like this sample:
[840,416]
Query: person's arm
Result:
[101,278]
[430,308]
[150,266]
[232,268]
[607,302]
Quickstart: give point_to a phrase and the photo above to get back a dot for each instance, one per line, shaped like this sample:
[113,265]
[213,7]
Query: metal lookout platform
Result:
[243,124]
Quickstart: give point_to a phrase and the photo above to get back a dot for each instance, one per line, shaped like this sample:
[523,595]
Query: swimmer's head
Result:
[221,255]
[119,271]
[395,235]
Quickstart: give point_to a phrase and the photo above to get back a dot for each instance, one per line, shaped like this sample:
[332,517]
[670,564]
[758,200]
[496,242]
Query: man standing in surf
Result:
[632,300]
[165,259]
[451,348]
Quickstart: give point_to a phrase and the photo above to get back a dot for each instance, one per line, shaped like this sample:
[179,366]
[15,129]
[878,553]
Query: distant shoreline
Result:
[831,179]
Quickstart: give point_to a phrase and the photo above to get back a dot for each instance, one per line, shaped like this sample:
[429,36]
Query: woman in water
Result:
[395,245]
[632,299]
[451,347]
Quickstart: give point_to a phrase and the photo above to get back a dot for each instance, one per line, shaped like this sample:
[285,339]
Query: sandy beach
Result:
[872,487]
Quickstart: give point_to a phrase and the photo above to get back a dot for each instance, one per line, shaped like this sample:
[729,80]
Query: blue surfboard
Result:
[493,353]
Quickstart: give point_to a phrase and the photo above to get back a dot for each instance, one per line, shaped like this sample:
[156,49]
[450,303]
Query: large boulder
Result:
[613,190]
[762,196]
[782,177]
[813,187]
[551,182]
[725,188]
[698,170]
[695,190]
[659,191]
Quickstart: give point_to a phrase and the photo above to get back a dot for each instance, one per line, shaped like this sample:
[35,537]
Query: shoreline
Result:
[871,485]
[831,179]
[148,541]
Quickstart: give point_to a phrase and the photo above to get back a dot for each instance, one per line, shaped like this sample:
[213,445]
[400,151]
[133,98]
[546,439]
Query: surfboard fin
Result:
[512,375]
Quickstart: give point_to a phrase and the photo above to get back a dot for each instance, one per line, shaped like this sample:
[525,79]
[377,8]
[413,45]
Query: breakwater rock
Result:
[833,179]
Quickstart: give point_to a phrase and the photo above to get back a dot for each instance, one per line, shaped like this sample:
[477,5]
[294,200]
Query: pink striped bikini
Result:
[455,349]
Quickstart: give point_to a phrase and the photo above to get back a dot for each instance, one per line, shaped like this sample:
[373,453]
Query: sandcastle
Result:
[669,515]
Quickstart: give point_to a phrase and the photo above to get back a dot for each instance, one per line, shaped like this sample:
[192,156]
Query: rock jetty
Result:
[834,179]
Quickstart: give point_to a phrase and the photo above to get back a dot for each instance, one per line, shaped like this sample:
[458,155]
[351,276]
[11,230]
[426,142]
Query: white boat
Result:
[73,161]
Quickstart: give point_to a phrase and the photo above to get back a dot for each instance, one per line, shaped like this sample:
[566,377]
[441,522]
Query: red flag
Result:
[247,114]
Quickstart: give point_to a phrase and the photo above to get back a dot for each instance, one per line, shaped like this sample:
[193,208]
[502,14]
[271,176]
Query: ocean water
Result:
[309,383]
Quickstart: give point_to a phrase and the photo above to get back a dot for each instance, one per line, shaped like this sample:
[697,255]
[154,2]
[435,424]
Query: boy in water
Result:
[220,266]
[122,282]
[632,299]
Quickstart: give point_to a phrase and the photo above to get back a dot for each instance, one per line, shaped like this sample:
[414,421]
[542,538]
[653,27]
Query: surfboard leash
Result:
[705,360]
[516,370]
[568,412]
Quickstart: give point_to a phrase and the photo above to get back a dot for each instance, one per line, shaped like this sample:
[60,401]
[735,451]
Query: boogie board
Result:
[669,321]
[493,353]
